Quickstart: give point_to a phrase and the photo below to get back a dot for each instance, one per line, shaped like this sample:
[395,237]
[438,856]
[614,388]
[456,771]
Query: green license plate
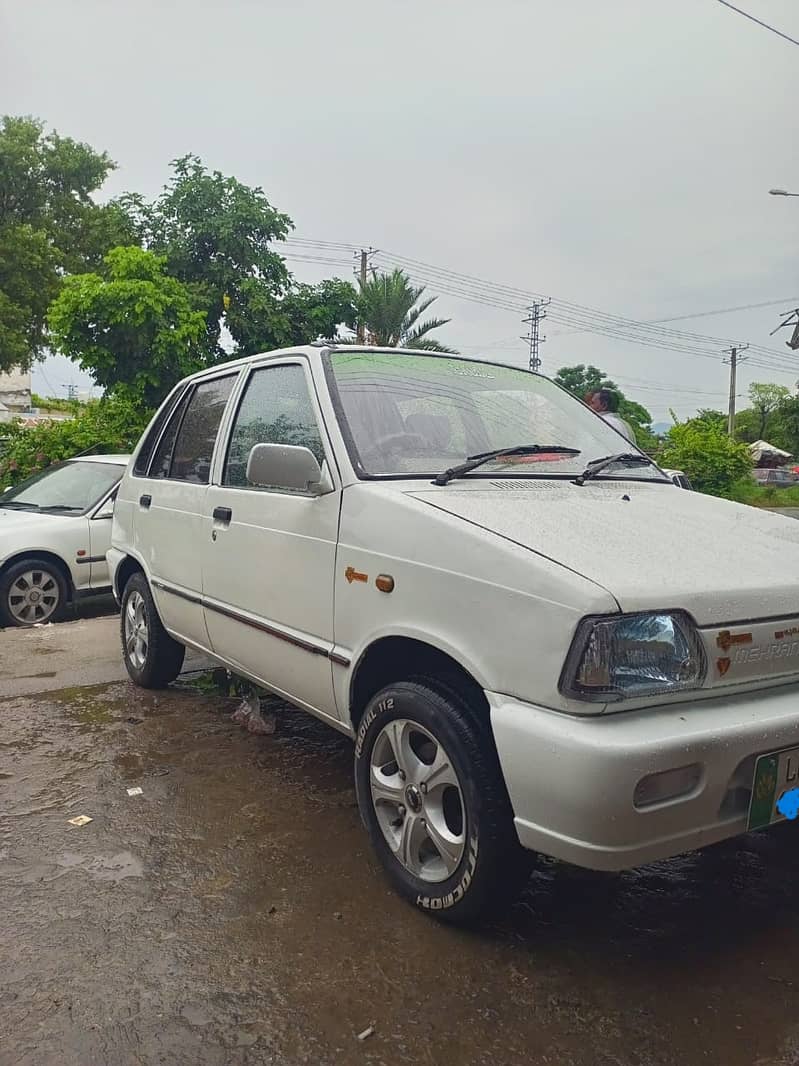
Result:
[775,775]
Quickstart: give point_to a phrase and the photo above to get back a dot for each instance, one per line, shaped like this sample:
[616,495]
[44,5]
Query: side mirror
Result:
[286,466]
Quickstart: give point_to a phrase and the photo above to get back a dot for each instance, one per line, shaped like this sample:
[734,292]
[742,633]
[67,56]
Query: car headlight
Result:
[629,656]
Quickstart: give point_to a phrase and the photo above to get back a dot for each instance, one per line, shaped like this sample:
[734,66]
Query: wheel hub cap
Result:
[413,798]
[33,597]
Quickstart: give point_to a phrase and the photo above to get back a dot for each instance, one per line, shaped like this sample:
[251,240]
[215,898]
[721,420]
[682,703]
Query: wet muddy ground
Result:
[232,914]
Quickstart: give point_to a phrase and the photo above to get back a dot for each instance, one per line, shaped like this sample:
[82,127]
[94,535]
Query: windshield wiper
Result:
[19,506]
[596,466]
[473,461]
[60,507]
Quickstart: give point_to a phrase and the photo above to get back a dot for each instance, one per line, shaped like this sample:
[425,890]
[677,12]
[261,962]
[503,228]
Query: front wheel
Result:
[431,795]
[152,658]
[32,592]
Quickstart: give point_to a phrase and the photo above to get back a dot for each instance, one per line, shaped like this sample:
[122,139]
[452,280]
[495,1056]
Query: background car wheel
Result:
[431,794]
[32,591]
[152,658]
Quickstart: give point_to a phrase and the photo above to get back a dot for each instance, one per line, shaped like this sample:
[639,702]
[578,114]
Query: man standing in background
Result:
[606,404]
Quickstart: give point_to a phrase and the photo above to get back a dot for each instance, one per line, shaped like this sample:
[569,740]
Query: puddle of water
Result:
[116,867]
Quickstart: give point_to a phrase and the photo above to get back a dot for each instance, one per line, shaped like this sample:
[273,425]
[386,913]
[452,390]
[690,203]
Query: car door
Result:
[170,512]
[269,553]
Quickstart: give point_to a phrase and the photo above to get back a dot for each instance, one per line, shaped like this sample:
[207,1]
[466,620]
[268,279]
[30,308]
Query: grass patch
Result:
[764,495]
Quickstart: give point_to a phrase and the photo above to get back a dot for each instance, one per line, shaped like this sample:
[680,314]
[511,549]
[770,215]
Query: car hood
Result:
[649,545]
[15,523]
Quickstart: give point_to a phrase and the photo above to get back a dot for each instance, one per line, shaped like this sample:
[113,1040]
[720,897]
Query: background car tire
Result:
[493,866]
[153,659]
[51,586]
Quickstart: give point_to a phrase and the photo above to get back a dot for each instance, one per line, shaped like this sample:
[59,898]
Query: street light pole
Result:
[781,192]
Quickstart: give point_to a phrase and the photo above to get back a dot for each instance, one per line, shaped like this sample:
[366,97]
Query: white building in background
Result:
[15,394]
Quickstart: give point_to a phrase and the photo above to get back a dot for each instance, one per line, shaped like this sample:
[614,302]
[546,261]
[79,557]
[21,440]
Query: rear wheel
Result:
[431,795]
[33,591]
[153,659]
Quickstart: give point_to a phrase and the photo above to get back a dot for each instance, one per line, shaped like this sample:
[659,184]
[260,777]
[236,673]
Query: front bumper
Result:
[572,780]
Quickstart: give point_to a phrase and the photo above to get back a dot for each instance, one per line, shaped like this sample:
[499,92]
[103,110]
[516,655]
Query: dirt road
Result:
[232,913]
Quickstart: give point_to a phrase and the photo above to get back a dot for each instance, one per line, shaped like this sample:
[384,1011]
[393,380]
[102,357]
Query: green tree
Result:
[580,380]
[112,424]
[260,320]
[765,398]
[49,226]
[718,419]
[390,308]
[784,431]
[133,328]
[711,459]
[215,234]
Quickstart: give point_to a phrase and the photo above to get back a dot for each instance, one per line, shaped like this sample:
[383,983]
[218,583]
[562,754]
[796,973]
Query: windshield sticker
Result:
[539,457]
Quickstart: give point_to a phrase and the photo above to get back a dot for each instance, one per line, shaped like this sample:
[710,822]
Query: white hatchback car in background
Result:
[55,530]
[537,644]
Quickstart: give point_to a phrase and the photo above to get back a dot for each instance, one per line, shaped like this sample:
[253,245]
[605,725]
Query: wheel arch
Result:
[124,572]
[45,555]
[399,658]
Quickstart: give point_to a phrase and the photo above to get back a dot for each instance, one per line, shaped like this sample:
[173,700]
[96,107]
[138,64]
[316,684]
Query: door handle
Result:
[145,500]
[222,514]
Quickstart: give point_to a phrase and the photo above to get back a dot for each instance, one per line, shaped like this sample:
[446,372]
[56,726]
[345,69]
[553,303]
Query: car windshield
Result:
[416,415]
[68,488]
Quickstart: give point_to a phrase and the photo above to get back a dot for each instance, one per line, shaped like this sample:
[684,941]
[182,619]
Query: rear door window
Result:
[148,444]
[194,445]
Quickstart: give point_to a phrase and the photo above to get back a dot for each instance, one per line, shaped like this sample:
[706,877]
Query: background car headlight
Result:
[629,656]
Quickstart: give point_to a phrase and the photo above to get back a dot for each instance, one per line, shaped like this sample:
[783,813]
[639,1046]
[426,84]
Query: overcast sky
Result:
[614,154]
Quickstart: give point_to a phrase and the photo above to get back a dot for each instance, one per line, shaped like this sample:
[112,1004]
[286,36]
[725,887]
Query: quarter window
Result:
[276,408]
[194,447]
[163,455]
[146,450]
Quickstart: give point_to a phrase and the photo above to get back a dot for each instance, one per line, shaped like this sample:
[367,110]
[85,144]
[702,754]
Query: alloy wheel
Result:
[418,800]
[136,633]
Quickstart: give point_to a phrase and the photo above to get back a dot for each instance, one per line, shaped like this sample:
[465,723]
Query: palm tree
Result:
[389,308]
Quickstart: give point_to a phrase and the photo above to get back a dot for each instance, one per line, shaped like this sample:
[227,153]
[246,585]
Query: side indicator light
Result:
[385,582]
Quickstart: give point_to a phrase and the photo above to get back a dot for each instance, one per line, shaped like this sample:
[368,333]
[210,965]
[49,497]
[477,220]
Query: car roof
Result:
[118,460]
[317,351]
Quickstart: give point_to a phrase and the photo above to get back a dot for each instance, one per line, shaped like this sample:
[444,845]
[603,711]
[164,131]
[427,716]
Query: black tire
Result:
[493,866]
[52,593]
[157,662]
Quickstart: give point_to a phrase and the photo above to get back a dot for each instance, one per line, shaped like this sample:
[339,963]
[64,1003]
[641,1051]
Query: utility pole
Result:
[790,318]
[534,319]
[365,254]
[733,354]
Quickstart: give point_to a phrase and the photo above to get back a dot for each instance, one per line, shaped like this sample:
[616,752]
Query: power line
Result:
[760,22]
[724,310]
[581,318]
[504,297]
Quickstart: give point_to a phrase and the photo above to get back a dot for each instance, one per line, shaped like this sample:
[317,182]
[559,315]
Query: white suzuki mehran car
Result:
[55,530]
[537,643]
